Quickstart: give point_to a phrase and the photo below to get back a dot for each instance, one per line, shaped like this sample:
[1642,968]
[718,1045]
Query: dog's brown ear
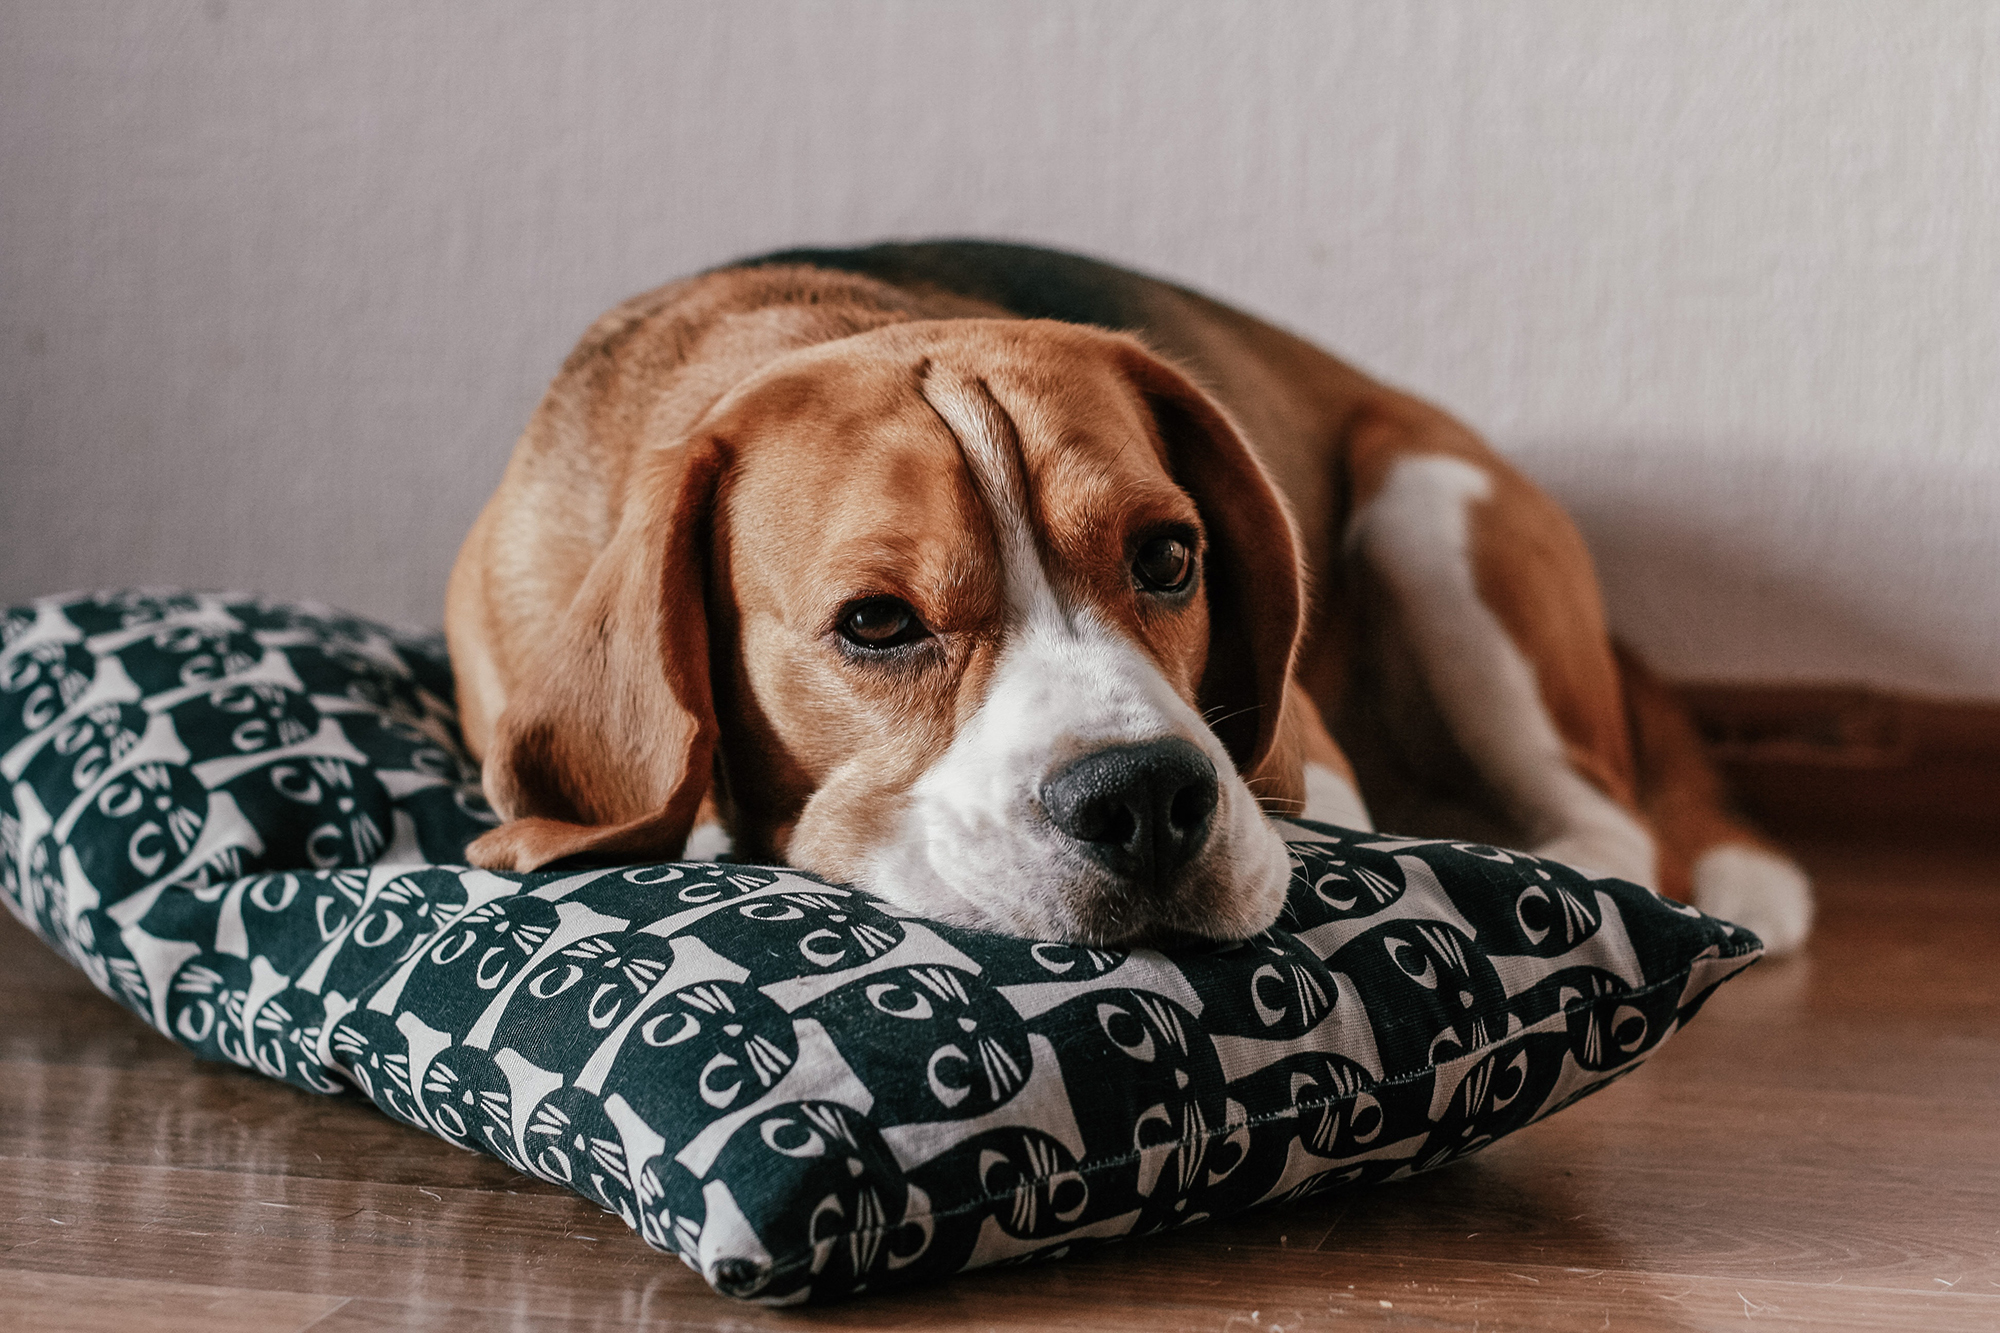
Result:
[1252,572]
[606,749]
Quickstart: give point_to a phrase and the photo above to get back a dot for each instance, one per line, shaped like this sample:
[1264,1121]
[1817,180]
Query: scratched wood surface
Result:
[1821,1150]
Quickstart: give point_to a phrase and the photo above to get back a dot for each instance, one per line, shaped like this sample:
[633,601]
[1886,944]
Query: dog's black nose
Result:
[1140,811]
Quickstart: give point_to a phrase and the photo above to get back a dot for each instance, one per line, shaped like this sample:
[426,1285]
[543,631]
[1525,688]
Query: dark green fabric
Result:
[240,818]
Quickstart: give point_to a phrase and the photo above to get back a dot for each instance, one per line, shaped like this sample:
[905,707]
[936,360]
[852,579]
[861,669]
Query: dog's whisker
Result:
[1217,715]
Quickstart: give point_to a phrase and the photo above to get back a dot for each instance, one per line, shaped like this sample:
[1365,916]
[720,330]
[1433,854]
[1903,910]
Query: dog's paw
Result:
[1756,889]
[709,842]
[1615,847]
[514,846]
[524,845]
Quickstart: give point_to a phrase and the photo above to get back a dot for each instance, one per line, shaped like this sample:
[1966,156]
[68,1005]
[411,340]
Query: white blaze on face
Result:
[974,844]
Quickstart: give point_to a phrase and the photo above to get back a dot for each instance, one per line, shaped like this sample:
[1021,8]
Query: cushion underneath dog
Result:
[245,820]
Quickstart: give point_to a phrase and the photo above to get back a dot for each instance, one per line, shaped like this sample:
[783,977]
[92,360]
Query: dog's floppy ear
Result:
[1251,572]
[606,748]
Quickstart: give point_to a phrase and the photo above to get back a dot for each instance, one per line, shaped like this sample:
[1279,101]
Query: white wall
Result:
[279,282]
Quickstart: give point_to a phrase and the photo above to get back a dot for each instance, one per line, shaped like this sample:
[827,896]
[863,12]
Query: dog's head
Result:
[991,618]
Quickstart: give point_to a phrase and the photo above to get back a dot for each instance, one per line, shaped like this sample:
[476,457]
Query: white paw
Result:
[1611,845]
[1756,889]
[707,842]
[1331,799]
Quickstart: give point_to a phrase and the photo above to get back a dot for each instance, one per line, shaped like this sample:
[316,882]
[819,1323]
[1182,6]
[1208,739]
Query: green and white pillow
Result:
[245,820]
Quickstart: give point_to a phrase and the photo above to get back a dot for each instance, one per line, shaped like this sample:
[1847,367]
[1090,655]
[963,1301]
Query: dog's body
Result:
[950,592]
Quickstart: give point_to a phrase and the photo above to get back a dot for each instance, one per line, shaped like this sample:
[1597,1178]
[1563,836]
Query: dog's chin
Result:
[1068,900]
[1173,925]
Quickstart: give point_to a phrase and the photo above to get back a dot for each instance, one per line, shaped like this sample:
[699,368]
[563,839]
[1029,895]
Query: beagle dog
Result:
[1016,589]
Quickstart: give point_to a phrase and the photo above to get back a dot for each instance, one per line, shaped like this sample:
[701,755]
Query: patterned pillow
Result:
[239,817]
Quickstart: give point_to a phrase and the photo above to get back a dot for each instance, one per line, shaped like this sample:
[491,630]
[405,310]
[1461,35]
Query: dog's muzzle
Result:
[1140,811]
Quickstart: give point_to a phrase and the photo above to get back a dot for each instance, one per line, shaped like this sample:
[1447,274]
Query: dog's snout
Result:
[1140,811]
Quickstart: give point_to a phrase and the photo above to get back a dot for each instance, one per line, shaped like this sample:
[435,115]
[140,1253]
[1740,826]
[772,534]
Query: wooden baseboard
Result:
[1851,762]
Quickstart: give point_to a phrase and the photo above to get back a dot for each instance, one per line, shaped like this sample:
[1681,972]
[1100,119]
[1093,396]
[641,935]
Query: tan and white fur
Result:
[652,622]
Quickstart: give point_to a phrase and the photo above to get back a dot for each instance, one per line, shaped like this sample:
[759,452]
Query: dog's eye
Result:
[1164,564]
[881,622]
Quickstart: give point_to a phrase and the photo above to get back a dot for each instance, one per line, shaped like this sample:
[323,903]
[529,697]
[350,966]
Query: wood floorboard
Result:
[1821,1149]
[62,1303]
[225,1121]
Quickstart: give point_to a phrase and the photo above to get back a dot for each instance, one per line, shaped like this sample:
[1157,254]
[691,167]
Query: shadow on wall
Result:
[1736,571]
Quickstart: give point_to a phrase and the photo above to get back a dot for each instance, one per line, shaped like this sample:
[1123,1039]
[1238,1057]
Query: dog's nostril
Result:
[1141,811]
[1114,823]
[1103,819]
[1193,804]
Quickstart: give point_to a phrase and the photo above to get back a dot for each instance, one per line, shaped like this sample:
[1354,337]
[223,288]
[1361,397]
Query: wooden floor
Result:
[1821,1150]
